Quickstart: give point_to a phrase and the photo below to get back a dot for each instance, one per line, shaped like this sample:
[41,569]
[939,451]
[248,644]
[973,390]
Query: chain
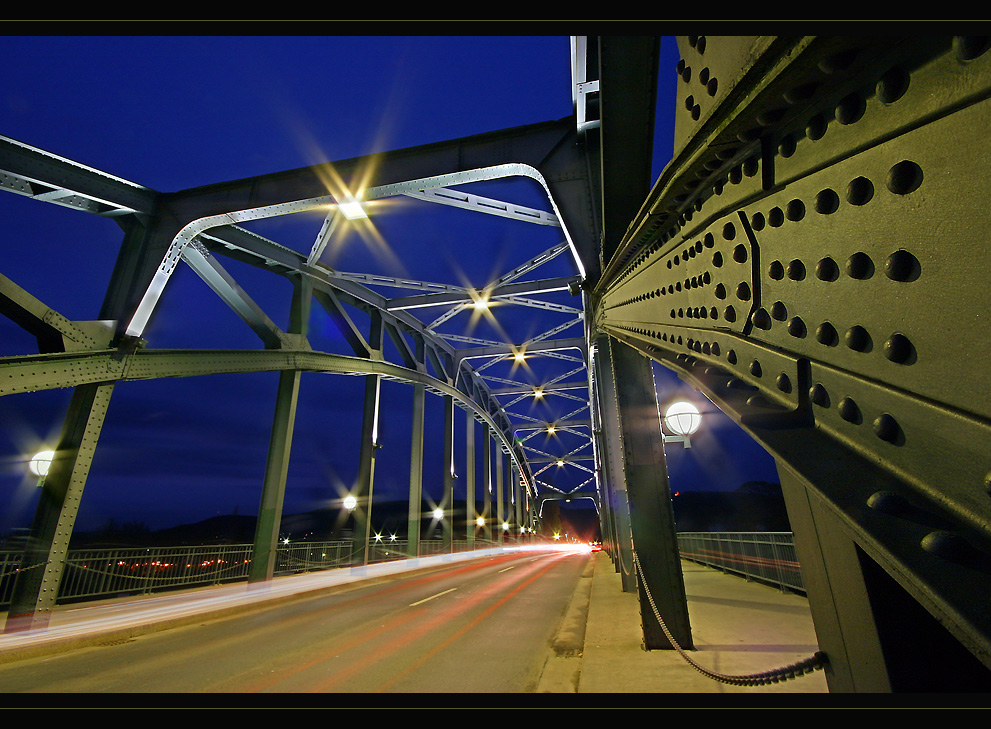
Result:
[813,663]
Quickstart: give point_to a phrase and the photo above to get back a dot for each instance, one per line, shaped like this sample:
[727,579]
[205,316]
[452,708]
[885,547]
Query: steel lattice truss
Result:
[812,260]
[452,363]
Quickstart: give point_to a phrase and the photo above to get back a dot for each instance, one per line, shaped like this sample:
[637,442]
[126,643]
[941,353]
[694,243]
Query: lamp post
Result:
[682,419]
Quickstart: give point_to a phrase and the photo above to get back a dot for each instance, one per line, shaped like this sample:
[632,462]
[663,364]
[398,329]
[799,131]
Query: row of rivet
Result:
[885,426]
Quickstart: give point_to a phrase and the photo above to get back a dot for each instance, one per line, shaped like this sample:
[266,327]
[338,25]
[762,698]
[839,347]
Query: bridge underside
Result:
[810,260]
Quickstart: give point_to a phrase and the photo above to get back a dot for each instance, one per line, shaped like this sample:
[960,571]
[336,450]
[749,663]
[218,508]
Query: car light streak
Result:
[488,611]
[439,619]
[361,639]
[170,610]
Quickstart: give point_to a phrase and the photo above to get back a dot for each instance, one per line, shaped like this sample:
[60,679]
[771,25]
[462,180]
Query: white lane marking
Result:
[508,568]
[419,602]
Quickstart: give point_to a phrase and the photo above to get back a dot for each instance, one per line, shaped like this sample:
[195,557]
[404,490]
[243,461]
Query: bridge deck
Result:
[739,628]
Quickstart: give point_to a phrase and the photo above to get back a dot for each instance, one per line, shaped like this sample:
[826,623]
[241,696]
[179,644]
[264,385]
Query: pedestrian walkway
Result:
[738,628]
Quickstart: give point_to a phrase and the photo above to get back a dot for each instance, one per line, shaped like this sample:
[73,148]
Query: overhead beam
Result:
[528,288]
[479,204]
[530,389]
[540,347]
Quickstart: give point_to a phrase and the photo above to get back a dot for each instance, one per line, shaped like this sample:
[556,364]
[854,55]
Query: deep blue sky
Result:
[177,112]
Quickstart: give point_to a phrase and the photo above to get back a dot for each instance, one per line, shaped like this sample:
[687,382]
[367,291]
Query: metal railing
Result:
[765,556]
[94,573]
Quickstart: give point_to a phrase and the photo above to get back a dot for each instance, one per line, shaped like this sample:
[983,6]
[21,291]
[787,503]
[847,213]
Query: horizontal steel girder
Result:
[61,370]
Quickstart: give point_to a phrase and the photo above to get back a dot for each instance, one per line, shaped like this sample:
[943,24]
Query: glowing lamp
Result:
[480,521]
[351,209]
[438,513]
[682,418]
[41,462]
[350,502]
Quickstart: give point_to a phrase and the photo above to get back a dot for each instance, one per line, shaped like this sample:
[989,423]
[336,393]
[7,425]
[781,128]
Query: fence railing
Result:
[96,573]
[766,556]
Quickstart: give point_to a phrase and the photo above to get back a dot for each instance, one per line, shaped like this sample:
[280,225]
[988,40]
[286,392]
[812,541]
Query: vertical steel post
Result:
[265,546]
[651,515]
[470,515]
[838,592]
[518,509]
[366,471]
[603,478]
[36,586]
[487,483]
[614,479]
[500,508]
[447,502]
[415,474]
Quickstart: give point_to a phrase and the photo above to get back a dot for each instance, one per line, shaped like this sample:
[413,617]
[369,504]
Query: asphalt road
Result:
[479,627]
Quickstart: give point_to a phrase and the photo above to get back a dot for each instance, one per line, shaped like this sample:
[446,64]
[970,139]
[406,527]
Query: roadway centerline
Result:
[420,602]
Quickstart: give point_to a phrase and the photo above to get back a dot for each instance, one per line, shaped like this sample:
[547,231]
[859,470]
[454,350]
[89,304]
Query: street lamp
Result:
[682,419]
[351,208]
[40,463]
[350,502]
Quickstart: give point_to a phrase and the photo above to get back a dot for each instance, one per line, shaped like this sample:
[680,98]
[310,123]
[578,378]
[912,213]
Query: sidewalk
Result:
[738,627]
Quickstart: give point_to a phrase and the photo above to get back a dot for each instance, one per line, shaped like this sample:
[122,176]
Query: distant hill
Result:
[318,525]
[756,506]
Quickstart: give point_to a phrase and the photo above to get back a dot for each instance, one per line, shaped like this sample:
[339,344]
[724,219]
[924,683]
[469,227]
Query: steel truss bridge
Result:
[812,259]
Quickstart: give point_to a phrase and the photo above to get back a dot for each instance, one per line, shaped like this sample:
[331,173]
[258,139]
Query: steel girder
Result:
[813,260]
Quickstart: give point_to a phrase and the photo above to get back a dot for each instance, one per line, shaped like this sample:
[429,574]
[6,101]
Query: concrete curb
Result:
[562,670]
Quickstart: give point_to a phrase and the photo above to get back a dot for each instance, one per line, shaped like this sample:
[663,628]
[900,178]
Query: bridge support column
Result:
[36,587]
[366,472]
[487,483]
[415,475]
[651,514]
[838,593]
[265,547]
[500,513]
[447,501]
[470,511]
[517,508]
[613,478]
